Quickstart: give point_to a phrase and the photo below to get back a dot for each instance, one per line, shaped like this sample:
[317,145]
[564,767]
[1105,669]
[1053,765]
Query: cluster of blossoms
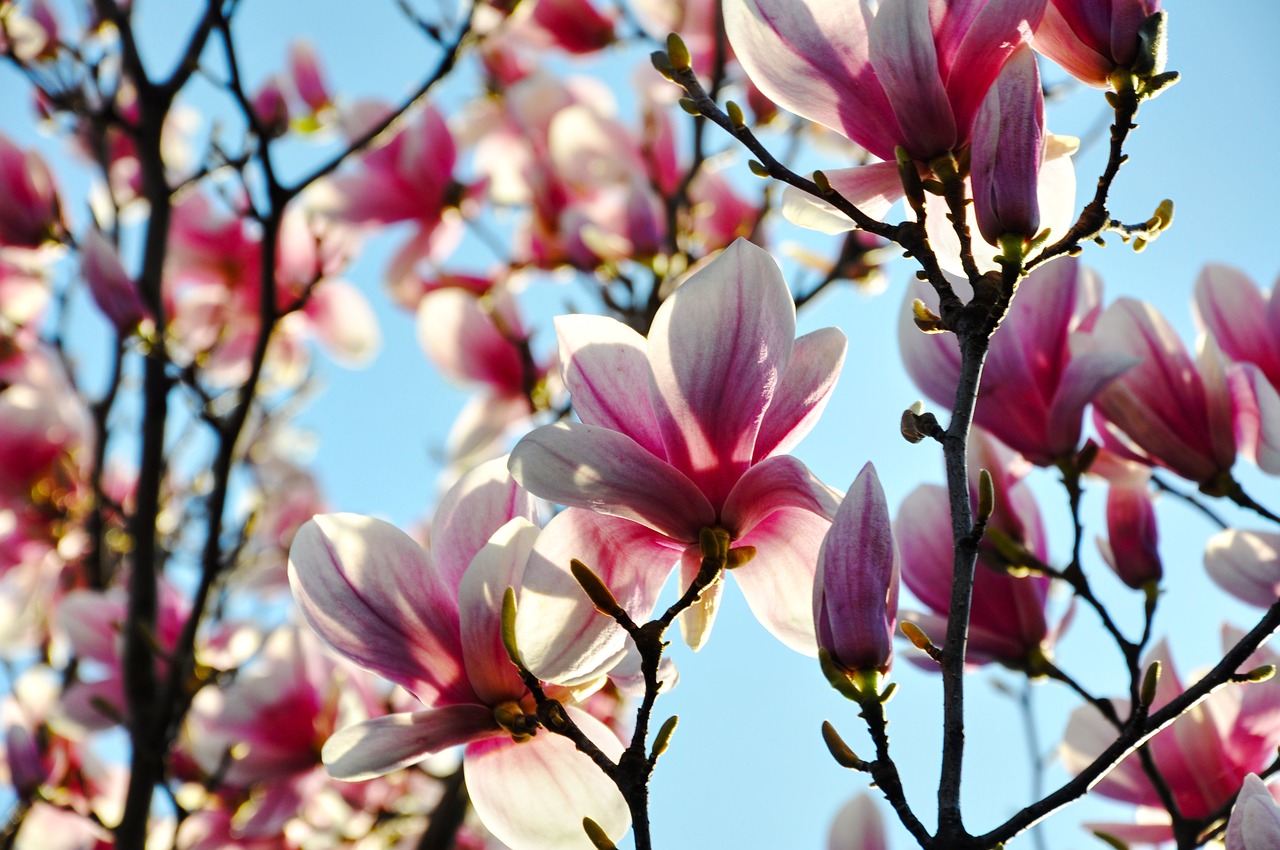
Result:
[662,428]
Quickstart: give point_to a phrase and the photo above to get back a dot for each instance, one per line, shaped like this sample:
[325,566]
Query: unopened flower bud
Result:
[840,751]
[597,591]
[677,52]
[597,836]
[663,739]
[1150,681]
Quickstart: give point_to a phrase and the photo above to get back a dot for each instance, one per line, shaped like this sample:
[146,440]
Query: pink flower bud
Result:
[855,592]
[1008,148]
[112,289]
[25,770]
[30,214]
[1131,547]
[271,109]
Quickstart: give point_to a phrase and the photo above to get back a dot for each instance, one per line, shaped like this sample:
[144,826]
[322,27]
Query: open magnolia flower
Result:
[430,621]
[729,389]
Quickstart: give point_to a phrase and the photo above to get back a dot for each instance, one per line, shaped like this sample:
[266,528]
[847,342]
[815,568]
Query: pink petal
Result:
[812,58]
[873,188]
[1085,376]
[1255,818]
[1088,735]
[806,387]
[586,466]
[998,29]
[858,826]
[344,323]
[1246,564]
[718,347]
[1056,39]
[371,594]
[1257,416]
[603,362]
[906,62]
[774,484]
[465,343]
[778,581]
[562,638]
[534,795]
[479,504]
[498,565]
[932,360]
[383,744]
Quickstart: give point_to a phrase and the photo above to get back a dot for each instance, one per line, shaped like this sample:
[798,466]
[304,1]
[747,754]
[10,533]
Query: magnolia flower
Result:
[430,621]
[1255,818]
[644,474]
[1166,410]
[1245,564]
[1092,38]
[1034,385]
[915,75]
[855,593]
[1204,755]
[1246,326]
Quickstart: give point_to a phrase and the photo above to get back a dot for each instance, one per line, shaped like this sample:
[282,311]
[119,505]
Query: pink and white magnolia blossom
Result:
[1255,818]
[213,284]
[1245,564]
[478,338]
[1204,755]
[1166,410]
[430,621]
[1092,38]
[729,390]
[914,74]
[1008,622]
[1034,385]
[1246,325]
[855,591]
[93,623]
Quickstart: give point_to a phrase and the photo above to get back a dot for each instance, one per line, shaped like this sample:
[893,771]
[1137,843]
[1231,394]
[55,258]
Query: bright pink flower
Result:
[112,289]
[1008,148]
[1092,38]
[1034,387]
[1255,818]
[430,621]
[1246,326]
[1131,548]
[308,78]
[575,26]
[480,339]
[1245,564]
[855,592]
[1166,410]
[1204,755]
[31,214]
[212,293]
[409,177]
[94,624]
[730,390]
[1007,622]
